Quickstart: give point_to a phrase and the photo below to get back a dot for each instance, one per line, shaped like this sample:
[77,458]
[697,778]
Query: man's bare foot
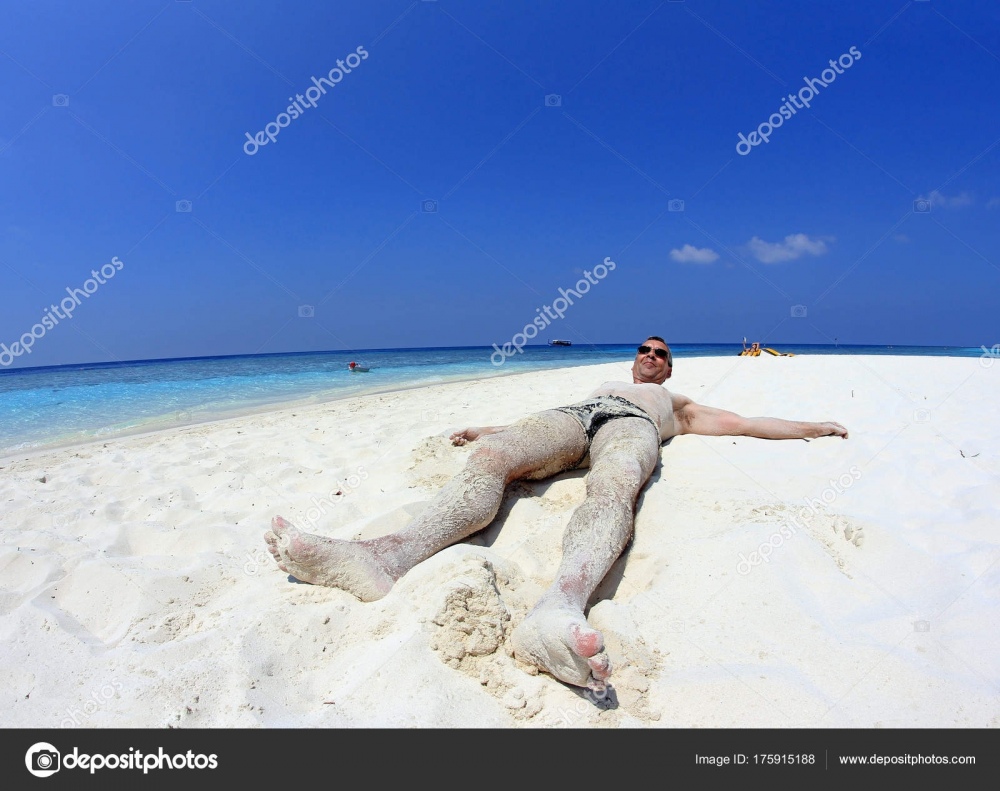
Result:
[557,639]
[348,565]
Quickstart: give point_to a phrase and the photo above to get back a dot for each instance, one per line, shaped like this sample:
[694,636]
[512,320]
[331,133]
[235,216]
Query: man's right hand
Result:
[470,434]
[473,433]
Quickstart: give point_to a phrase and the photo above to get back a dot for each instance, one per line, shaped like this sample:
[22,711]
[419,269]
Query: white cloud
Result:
[689,254]
[993,204]
[954,202]
[794,246]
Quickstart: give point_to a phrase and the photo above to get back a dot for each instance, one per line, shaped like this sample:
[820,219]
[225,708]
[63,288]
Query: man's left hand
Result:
[831,429]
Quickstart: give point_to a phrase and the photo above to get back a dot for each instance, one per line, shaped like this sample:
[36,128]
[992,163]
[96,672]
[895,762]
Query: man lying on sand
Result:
[616,432]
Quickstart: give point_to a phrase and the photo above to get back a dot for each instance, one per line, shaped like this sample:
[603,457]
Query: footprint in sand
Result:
[779,513]
[851,532]
[844,529]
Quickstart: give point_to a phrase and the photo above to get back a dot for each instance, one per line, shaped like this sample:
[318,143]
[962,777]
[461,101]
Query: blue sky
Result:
[546,137]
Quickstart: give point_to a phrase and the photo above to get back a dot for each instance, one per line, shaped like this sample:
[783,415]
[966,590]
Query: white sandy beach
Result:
[136,589]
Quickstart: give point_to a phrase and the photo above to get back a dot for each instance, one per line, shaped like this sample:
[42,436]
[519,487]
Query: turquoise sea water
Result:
[42,407]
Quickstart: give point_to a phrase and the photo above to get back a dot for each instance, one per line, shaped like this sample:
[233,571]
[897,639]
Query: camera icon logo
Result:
[429,206]
[921,205]
[42,759]
[921,626]
[183,205]
[921,416]
[60,100]
[553,100]
[65,519]
[675,205]
[306,311]
[799,311]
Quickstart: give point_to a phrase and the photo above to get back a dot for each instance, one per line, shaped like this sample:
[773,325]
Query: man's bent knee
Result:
[619,468]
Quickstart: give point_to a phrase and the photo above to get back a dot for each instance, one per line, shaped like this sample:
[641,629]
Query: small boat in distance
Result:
[560,343]
[355,368]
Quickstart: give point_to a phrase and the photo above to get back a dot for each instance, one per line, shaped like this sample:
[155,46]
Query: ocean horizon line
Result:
[675,345]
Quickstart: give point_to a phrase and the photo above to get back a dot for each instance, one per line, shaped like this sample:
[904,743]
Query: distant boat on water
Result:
[560,343]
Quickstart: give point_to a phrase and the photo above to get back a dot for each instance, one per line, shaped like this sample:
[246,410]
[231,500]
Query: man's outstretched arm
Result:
[708,421]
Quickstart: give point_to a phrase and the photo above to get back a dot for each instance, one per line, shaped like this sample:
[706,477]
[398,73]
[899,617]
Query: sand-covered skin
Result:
[828,583]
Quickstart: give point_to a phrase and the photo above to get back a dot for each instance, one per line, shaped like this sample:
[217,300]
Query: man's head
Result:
[653,361]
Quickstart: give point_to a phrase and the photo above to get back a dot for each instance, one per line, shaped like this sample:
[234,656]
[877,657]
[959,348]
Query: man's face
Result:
[651,367]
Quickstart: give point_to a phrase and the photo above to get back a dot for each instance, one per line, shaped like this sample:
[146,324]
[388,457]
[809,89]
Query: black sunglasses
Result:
[661,353]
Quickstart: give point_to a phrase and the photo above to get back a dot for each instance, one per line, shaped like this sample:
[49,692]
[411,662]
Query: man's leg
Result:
[555,636]
[537,446]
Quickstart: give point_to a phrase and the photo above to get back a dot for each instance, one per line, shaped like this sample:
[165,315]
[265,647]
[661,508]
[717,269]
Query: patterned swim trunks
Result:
[595,412]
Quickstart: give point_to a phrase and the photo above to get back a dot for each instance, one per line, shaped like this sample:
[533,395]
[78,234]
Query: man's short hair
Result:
[670,354]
